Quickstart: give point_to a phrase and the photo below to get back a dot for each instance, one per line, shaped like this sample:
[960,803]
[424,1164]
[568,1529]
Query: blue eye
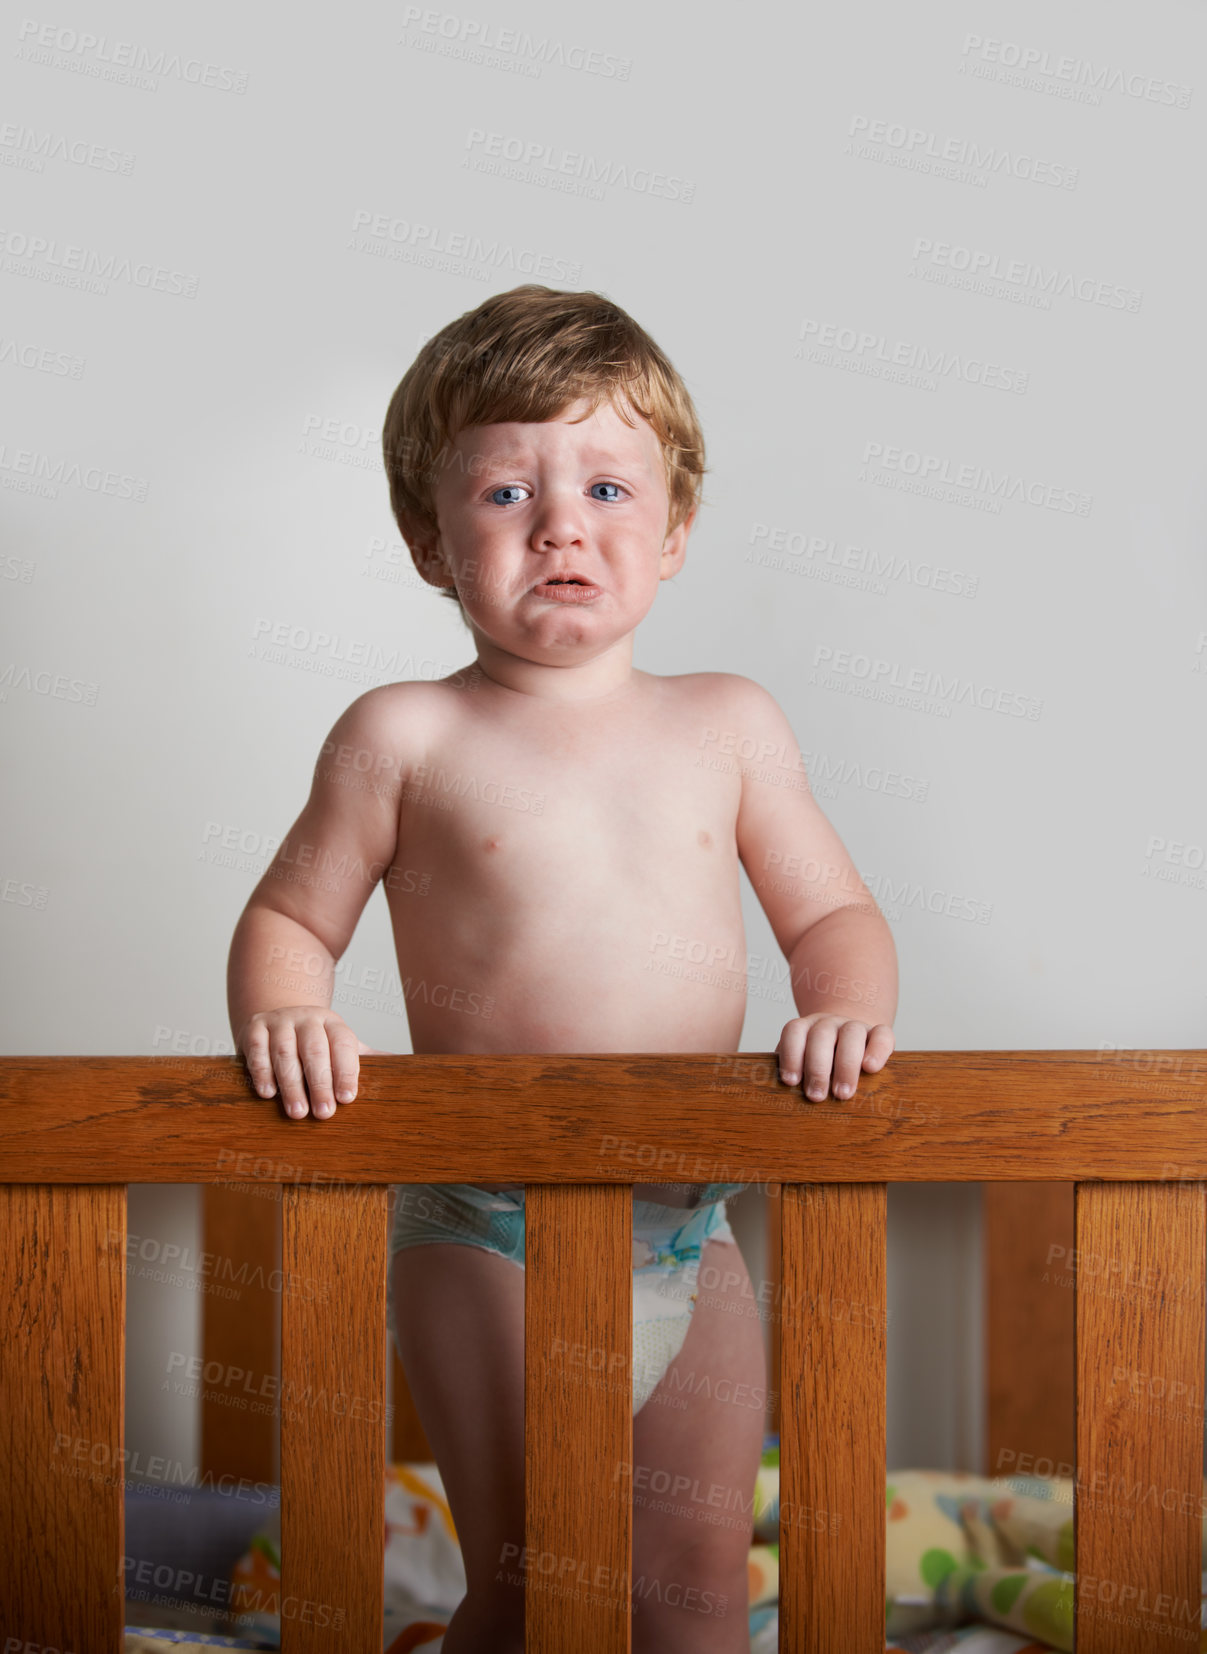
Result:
[514,490]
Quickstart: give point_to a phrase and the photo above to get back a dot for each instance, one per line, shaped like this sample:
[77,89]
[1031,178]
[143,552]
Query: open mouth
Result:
[567,588]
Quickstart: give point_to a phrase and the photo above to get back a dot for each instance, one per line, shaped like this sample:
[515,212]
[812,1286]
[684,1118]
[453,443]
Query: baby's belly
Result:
[603,979]
[681,989]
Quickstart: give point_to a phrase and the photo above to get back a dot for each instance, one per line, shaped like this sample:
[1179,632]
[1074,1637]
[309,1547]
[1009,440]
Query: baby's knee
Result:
[701,1573]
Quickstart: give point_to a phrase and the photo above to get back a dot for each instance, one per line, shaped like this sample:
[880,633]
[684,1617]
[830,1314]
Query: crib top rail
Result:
[1125,1127]
[695,1118]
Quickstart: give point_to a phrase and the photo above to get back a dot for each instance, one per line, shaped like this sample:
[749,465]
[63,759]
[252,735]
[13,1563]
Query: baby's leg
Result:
[459,1311]
[698,1440]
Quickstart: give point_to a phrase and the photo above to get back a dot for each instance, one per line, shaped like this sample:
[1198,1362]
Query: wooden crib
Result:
[1126,1129]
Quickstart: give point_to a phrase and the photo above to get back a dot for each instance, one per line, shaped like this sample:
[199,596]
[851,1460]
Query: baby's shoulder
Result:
[388,705]
[394,718]
[718,689]
[715,681]
[412,698]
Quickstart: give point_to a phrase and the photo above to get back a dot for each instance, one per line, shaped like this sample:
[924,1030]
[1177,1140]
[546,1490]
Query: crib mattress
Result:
[974,1565]
[969,1640]
[973,1639]
[145,1640]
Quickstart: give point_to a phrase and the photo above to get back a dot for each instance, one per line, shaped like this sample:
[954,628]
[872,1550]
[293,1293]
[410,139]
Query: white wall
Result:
[157,597]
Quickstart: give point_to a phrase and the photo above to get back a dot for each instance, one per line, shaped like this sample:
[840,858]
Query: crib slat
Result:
[833,1306]
[242,1232]
[578,1417]
[1138,1493]
[62,1327]
[333,1382]
[1027,1238]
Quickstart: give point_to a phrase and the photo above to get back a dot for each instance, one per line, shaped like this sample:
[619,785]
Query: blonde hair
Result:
[528,355]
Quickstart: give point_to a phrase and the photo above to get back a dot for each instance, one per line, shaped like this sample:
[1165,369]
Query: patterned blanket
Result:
[972,1564]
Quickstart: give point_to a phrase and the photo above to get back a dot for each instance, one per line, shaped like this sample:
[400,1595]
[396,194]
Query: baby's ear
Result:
[431,567]
[674,547]
[677,538]
[413,531]
[423,542]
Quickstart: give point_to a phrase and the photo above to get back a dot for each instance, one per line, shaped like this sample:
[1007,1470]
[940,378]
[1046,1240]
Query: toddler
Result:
[556,831]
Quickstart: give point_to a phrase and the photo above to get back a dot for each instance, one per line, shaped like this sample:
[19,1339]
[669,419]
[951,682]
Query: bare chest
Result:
[573,818]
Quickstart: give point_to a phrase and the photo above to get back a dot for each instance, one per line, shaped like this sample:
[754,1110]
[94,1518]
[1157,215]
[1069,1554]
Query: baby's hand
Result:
[298,1042]
[814,1045]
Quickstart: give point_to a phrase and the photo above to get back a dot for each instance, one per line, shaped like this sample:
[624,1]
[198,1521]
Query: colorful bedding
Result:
[970,1640]
[148,1640]
[973,1565]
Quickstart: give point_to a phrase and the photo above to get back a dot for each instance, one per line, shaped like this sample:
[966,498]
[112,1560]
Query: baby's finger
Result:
[284,1049]
[259,1063]
[852,1039]
[881,1044]
[315,1052]
[819,1057]
[791,1053]
[345,1060]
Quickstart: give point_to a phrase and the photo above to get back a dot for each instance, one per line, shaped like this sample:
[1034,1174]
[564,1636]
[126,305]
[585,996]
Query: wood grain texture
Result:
[571,1120]
[578,1418]
[1139,1490]
[62,1325]
[333,1380]
[242,1236]
[1027,1245]
[833,1356]
[927,1117]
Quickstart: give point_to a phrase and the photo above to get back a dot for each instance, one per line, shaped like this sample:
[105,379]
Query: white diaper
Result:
[666,1267]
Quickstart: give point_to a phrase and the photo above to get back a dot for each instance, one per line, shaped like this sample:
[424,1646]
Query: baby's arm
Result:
[840,953]
[300,917]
